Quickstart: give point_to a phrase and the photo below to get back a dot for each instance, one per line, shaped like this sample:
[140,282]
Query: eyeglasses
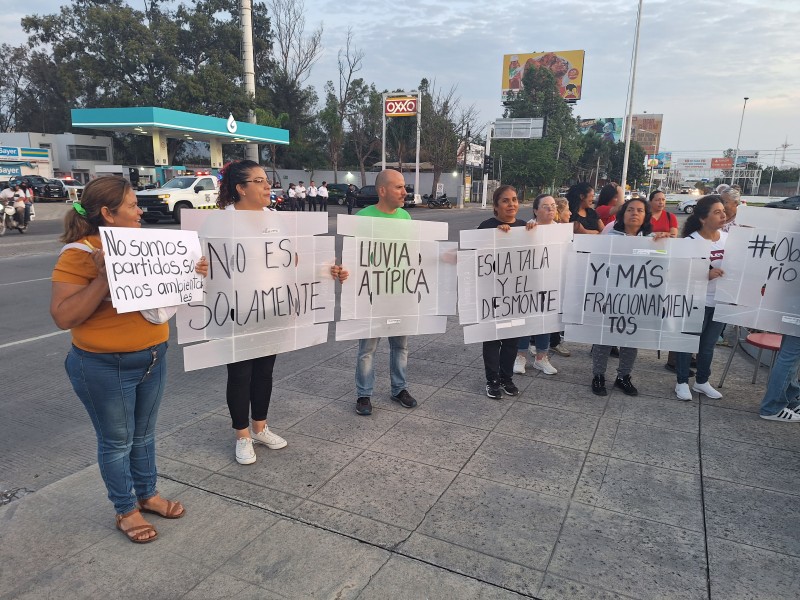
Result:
[258,181]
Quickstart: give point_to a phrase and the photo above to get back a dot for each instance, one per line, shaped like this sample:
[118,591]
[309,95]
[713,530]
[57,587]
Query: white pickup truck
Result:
[188,191]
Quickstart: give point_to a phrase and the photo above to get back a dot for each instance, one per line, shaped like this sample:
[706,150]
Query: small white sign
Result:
[151,269]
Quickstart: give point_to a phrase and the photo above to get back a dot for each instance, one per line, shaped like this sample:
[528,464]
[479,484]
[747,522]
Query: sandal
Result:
[175,510]
[134,533]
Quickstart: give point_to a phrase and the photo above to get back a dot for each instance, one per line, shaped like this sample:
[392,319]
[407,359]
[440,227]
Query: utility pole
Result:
[738,139]
[629,113]
[246,19]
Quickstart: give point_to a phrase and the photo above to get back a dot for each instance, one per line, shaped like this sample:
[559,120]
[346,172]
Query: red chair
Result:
[762,341]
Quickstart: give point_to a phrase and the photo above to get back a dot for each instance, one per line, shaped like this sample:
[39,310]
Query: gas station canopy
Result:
[162,123]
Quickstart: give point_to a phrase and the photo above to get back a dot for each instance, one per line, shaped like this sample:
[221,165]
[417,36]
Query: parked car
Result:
[169,200]
[687,189]
[43,188]
[367,195]
[687,205]
[337,193]
[790,203]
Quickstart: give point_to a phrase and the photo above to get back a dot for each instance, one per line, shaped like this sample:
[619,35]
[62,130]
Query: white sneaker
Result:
[707,390]
[786,415]
[245,455]
[271,440]
[519,364]
[544,366]
[682,391]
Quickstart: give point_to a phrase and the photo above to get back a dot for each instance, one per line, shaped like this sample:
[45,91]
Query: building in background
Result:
[608,128]
[69,154]
[646,131]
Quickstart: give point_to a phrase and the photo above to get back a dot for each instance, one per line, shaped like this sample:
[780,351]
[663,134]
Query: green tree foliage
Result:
[538,164]
[365,122]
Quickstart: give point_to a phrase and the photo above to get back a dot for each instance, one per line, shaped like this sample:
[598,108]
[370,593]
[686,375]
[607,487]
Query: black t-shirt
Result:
[590,221]
[494,223]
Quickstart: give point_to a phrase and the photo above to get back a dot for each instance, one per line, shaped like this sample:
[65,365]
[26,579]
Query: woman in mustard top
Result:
[117,361]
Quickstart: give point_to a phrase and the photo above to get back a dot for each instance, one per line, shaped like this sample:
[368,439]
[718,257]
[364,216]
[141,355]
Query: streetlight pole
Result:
[629,112]
[736,158]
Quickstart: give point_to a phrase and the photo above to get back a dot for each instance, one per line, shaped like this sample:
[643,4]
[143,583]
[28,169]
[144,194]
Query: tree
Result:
[636,166]
[540,164]
[13,66]
[339,99]
[443,121]
[365,122]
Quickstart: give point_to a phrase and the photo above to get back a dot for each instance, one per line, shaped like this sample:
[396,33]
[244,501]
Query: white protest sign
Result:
[761,284]
[402,280]
[151,269]
[510,283]
[269,289]
[636,292]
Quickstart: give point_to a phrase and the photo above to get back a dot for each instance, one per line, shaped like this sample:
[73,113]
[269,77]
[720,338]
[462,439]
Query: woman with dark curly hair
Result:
[245,186]
[581,197]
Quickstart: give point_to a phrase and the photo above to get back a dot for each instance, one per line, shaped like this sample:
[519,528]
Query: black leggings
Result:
[249,390]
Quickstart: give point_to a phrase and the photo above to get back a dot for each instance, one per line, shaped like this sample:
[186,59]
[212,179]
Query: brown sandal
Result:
[175,510]
[134,533]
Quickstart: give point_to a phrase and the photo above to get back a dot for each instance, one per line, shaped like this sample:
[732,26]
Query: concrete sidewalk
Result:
[554,494]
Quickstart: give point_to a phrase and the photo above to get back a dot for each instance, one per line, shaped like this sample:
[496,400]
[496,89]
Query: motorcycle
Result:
[9,218]
[437,202]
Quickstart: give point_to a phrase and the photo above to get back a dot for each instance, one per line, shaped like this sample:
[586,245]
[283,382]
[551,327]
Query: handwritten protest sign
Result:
[269,288]
[761,284]
[510,283]
[402,280]
[636,292]
[151,269]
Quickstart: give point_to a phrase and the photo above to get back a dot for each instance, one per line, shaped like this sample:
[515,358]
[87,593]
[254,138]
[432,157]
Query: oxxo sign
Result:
[401,106]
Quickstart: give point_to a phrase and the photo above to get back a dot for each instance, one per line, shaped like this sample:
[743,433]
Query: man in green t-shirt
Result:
[391,197]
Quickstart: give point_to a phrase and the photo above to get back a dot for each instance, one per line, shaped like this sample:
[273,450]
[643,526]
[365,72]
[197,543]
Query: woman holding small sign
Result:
[117,361]
[499,355]
[633,219]
[705,223]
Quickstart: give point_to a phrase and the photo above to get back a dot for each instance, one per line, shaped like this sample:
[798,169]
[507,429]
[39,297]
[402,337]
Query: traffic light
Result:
[488,164]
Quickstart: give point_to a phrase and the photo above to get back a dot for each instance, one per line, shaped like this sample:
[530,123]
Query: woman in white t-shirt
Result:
[705,223]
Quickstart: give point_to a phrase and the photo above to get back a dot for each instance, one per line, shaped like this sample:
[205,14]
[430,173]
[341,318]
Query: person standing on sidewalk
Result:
[781,401]
[312,196]
[322,192]
[499,355]
[301,196]
[705,223]
[391,197]
[350,197]
[544,213]
[245,186]
[117,362]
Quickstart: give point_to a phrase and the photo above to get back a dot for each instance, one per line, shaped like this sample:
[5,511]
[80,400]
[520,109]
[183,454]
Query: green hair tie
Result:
[79,208]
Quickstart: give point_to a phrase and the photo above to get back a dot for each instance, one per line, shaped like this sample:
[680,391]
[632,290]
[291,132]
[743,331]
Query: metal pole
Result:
[246,20]
[596,171]
[500,171]
[383,137]
[772,172]
[629,115]
[486,152]
[555,170]
[736,159]
[463,194]
[419,129]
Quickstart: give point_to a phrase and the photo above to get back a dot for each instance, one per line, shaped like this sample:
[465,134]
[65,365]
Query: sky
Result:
[697,61]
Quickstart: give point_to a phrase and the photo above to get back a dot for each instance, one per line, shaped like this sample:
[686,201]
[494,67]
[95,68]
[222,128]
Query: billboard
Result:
[646,131]
[474,155]
[721,163]
[693,164]
[566,65]
[400,106]
[608,128]
[664,160]
[746,156]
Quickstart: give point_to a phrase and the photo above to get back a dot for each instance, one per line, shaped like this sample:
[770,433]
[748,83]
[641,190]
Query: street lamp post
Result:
[736,158]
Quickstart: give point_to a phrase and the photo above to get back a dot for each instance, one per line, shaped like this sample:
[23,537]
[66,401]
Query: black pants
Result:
[249,390]
[350,205]
[312,204]
[555,339]
[323,204]
[498,359]
[301,202]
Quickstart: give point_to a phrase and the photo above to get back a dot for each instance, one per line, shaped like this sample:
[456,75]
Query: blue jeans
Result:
[783,390]
[705,353]
[122,393]
[541,342]
[365,370]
